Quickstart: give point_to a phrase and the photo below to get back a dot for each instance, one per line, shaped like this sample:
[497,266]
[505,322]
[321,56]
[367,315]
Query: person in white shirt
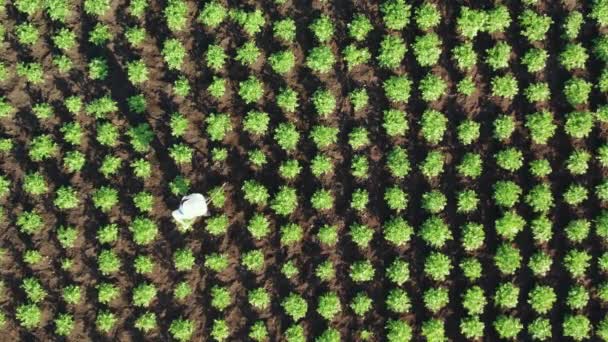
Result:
[191,207]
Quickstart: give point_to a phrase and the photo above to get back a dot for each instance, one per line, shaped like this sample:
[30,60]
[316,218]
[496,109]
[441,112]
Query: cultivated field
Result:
[378,170]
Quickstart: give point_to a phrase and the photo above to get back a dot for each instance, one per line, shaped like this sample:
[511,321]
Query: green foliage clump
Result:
[535,59]
[470,22]
[173,53]
[432,87]
[395,122]
[252,22]
[534,26]
[437,266]
[42,147]
[498,56]
[395,14]
[355,56]
[251,90]
[505,86]
[212,14]
[465,56]
[392,51]
[182,329]
[577,91]
[67,198]
[572,25]
[29,316]
[579,124]
[282,62]
[427,16]
[507,259]
[295,306]
[574,56]
[507,327]
[359,27]
[427,49]
[433,126]
[322,28]
[285,29]
[321,59]
[397,88]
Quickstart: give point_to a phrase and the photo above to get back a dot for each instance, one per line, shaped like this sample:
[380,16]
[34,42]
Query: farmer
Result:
[191,207]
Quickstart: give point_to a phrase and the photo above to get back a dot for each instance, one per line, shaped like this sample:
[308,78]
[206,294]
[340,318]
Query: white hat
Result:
[192,206]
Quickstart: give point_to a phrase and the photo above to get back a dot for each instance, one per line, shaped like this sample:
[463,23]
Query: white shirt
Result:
[191,207]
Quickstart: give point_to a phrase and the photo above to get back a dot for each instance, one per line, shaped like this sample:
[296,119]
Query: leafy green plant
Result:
[287,100]
[433,126]
[427,16]
[507,327]
[427,49]
[505,86]
[359,27]
[435,232]
[472,327]
[398,330]
[470,165]
[324,136]
[322,28]
[258,332]
[174,53]
[108,262]
[285,29]
[395,122]
[395,14]
[538,92]
[329,305]
[107,292]
[321,58]
[64,324]
[32,72]
[324,102]
[29,316]
[137,71]
[135,36]
[432,166]
[498,56]
[259,298]
[27,33]
[146,322]
[507,259]
[470,22]
[574,56]
[579,124]
[282,62]
[534,26]
[392,51]
[183,259]
[398,301]
[29,222]
[212,14]
[432,87]
[295,306]
[542,298]
[535,59]
[249,53]
[577,90]
[251,90]
[252,22]
[181,329]
[397,88]
[437,266]
[466,86]
[107,233]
